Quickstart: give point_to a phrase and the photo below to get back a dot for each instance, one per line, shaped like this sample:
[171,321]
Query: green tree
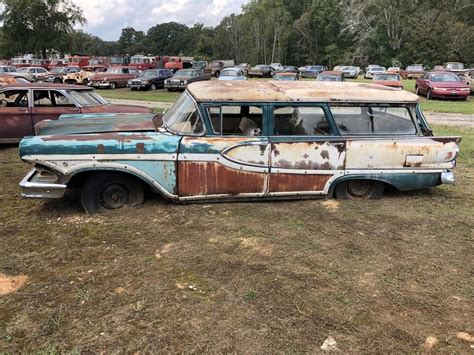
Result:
[38,26]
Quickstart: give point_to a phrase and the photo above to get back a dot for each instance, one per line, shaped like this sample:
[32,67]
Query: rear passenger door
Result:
[306,154]
[15,115]
[231,160]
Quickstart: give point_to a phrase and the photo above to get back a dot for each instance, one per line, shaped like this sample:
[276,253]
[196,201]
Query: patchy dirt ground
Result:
[389,275]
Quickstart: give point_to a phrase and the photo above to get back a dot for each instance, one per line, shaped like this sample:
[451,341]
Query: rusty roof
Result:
[310,91]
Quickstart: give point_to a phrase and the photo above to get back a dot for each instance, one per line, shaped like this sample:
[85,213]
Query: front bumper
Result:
[99,85]
[450,94]
[139,86]
[175,86]
[32,188]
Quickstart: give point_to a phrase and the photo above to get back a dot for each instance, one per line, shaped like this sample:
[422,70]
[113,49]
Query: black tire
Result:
[105,191]
[354,189]
[429,95]
[417,90]
[112,86]
[153,87]
[57,80]
[217,74]
[85,82]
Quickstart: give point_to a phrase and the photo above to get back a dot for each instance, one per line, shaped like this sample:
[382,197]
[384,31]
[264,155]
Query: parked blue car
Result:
[234,73]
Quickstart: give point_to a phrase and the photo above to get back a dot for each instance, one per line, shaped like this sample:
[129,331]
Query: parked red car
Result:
[441,84]
[24,105]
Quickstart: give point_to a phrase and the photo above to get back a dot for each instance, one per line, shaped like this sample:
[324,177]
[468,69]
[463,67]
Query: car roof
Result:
[46,86]
[332,72]
[310,91]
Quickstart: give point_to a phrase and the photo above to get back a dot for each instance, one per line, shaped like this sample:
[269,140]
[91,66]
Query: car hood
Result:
[98,123]
[181,78]
[98,134]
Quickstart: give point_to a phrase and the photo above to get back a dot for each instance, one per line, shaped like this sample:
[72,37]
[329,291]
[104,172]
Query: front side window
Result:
[183,117]
[300,121]
[369,120]
[240,120]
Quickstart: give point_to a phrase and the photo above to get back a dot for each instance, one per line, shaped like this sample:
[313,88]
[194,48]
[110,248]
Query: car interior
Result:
[237,120]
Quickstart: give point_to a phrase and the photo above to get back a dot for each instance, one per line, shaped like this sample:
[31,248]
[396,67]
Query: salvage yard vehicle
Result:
[142,62]
[442,85]
[215,67]
[388,79]
[24,105]
[10,79]
[330,75]
[260,71]
[312,71]
[284,76]
[57,74]
[150,79]
[350,72]
[413,71]
[233,73]
[38,73]
[369,74]
[244,140]
[82,77]
[114,77]
[183,78]
[178,63]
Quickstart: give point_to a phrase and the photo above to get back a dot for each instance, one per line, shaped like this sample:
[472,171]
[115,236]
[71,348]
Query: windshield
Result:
[229,73]
[183,73]
[394,77]
[57,70]
[262,67]
[87,97]
[183,117]
[454,66]
[415,67]
[328,77]
[149,73]
[114,71]
[116,60]
[285,77]
[444,78]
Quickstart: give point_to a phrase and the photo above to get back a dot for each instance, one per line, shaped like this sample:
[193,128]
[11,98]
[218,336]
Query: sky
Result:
[106,18]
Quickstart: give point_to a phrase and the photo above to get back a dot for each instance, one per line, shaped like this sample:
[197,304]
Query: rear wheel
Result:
[218,74]
[417,90]
[103,192]
[112,86]
[354,189]
[85,82]
[57,80]
[152,87]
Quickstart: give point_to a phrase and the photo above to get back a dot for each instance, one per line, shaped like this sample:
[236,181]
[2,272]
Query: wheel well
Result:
[345,179]
[78,180]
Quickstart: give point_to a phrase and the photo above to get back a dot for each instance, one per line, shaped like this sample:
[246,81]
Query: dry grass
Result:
[377,276]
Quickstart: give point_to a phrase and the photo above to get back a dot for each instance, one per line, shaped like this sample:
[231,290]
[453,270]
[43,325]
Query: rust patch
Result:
[445,140]
[100,149]
[210,178]
[10,284]
[325,154]
[449,156]
[276,152]
[297,182]
[140,148]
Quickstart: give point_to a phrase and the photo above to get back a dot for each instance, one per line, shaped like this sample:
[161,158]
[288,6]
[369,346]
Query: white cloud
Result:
[106,19]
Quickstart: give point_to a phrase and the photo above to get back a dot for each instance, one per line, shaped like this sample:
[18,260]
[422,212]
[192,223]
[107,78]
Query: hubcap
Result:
[113,196]
[359,188]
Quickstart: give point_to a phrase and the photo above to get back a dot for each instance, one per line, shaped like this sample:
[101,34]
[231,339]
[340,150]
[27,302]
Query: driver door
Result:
[231,161]
[15,116]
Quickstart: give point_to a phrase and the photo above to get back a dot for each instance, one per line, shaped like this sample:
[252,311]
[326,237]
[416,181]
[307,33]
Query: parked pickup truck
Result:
[178,63]
[244,140]
[215,67]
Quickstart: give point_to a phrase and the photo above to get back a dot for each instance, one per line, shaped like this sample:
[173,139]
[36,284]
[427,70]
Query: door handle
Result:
[24,110]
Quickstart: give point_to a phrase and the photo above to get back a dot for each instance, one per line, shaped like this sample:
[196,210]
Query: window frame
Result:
[412,110]
[323,106]
[208,122]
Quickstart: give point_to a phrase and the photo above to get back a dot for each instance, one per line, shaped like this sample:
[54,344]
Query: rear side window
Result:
[300,121]
[367,120]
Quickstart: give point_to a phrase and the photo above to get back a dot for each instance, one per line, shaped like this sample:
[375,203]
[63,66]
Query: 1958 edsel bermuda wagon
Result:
[244,140]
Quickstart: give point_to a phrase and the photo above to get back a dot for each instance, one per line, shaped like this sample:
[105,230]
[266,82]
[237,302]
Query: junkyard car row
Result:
[243,140]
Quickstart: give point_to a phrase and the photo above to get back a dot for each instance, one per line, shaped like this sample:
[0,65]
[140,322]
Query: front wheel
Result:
[417,90]
[112,86]
[429,95]
[354,189]
[103,192]
[217,74]
[57,80]
[152,87]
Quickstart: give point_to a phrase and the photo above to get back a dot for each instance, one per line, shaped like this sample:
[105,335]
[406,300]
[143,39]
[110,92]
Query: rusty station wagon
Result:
[244,140]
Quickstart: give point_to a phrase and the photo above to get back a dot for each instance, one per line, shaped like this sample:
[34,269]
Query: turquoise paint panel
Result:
[104,143]
[164,172]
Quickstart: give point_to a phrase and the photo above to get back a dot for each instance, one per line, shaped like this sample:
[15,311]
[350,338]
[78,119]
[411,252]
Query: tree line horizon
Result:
[329,32]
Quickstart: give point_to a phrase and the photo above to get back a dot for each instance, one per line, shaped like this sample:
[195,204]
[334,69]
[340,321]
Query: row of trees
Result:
[392,32]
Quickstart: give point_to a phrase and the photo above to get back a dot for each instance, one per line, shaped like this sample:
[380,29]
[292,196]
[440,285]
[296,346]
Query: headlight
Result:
[167,82]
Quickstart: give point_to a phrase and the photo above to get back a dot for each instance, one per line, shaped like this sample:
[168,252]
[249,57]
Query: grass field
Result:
[272,277]
[442,106]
